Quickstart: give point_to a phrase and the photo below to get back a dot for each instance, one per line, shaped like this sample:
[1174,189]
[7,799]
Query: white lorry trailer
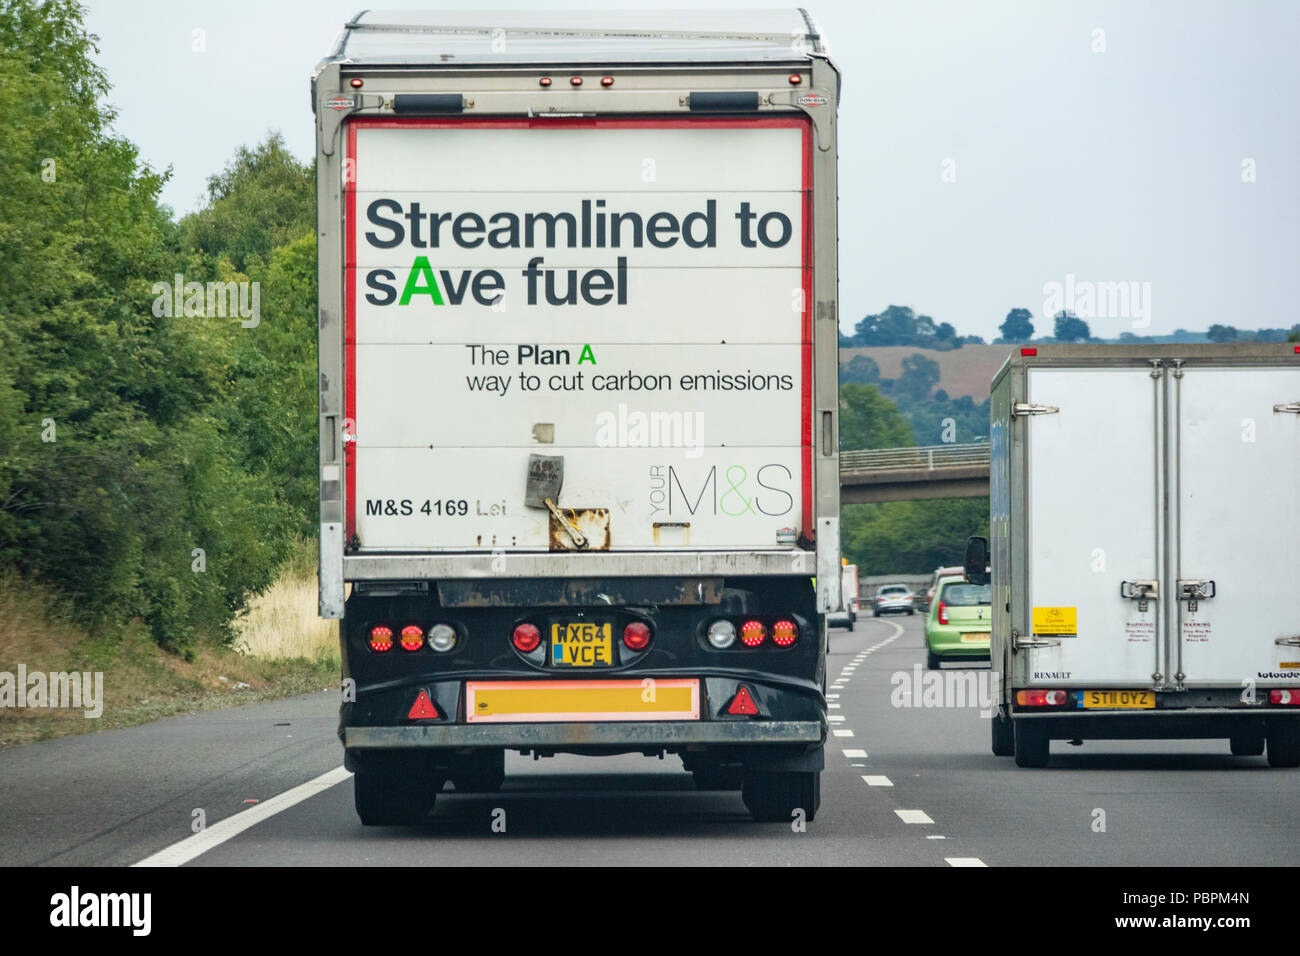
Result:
[578,395]
[1145,527]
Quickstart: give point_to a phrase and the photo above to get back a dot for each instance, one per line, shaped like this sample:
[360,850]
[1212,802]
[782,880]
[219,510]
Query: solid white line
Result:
[856,754]
[877,781]
[913,816]
[964,861]
[842,733]
[181,853]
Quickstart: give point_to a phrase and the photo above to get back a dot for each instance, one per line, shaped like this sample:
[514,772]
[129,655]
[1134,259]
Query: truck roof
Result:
[1092,354]
[459,37]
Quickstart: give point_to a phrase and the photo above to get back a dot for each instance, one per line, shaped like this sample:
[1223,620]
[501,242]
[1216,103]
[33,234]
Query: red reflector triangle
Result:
[423,707]
[743,703]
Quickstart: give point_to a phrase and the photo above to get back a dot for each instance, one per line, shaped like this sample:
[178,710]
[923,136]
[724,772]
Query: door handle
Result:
[1194,592]
[1140,591]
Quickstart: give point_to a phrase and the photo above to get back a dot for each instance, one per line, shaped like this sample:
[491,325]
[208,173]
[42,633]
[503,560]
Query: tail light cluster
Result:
[1042,698]
[1289,697]
[752,633]
[942,612]
[412,637]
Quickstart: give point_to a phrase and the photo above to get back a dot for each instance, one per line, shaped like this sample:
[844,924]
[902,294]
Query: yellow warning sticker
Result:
[1056,620]
[1290,665]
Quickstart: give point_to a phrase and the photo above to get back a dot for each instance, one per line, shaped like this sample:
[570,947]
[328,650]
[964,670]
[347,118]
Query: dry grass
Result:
[291,652]
[282,623]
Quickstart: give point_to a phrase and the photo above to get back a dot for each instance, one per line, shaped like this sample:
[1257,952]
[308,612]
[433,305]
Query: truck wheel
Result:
[774,797]
[1032,746]
[392,799]
[1284,743]
[1246,746]
[1004,737]
[485,774]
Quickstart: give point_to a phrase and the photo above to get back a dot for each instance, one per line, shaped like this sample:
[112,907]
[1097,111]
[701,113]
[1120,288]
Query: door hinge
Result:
[1017,642]
[1024,409]
[1293,407]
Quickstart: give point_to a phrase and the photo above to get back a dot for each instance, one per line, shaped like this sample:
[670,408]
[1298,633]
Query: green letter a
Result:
[421,268]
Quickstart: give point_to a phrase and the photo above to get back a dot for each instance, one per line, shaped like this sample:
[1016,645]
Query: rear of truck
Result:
[1145,523]
[578,396]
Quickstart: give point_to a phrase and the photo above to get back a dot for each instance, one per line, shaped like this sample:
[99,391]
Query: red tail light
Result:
[527,637]
[1290,697]
[381,638]
[752,633]
[943,613]
[423,708]
[784,633]
[1032,351]
[412,638]
[636,635]
[743,703]
[1042,698]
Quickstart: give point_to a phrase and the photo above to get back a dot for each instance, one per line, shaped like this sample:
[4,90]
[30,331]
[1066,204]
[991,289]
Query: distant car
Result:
[927,602]
[960,621]
[893,599]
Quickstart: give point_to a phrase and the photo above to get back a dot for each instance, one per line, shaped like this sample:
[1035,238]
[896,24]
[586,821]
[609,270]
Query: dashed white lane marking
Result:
[836,718]
[832,696]
[877,781]
[180,853]
[964,861]
[935,836]
[842,733]
[856,754]
[914,816]
[834,705]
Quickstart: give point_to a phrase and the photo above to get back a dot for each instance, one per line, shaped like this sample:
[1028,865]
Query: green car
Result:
[959,622]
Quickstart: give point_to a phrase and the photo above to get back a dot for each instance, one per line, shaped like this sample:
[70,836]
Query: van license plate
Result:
[1120,699]
[581,644]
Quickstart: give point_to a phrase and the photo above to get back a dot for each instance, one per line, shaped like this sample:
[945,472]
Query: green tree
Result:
[1071,328]
[1018,326]
[918,376]
[860,369]
[910,537]
[869,420]
[1223,333]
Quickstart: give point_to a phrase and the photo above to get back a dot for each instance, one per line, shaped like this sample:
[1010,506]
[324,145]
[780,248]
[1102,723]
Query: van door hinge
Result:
[1017,642]
[1292,407]
[1024,409]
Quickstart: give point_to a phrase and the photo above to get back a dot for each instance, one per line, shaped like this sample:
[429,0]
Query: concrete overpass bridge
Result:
[908,474]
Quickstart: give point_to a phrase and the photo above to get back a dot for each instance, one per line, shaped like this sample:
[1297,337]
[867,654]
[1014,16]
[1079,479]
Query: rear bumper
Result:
[603,734]
[1165,723]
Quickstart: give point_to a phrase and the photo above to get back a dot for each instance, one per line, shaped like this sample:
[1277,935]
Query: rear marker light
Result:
[442,637]
[752,633]
[636,636]
[795,79]
[1041,698]
[527,637]
[1289,697]
[423,708]
[544,81]
[381,638]
[357,82]
[722,634]
[1029,351]
[784,633]
[575,81]
[412,638]
[606,81]
[743,703]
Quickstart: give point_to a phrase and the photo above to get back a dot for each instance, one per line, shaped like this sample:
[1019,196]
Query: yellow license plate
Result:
[1120,699]
[546,701]
[581,644]
[980,638]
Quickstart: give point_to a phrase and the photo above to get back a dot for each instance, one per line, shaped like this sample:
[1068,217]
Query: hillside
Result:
[965,371]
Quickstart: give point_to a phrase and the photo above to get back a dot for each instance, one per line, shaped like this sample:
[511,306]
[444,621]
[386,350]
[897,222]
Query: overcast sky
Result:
[987,149]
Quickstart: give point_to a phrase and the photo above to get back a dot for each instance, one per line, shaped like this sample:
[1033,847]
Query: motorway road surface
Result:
[903,785]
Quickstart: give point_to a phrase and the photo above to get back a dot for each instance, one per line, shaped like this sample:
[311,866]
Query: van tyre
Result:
[1032,745]
[1246,745]
[1004,736]
[774,797]
[1284,743]
[392,799]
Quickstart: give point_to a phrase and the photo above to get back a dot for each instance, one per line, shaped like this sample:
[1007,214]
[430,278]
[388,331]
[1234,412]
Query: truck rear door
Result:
[1236,479]
[1094,487]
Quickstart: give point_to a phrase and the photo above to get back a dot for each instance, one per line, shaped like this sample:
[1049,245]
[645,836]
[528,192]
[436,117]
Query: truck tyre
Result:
[392,799]
[1032,746]
[774,797]
[1246,745]
[1004,737]
[485,774]
[1284,743]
